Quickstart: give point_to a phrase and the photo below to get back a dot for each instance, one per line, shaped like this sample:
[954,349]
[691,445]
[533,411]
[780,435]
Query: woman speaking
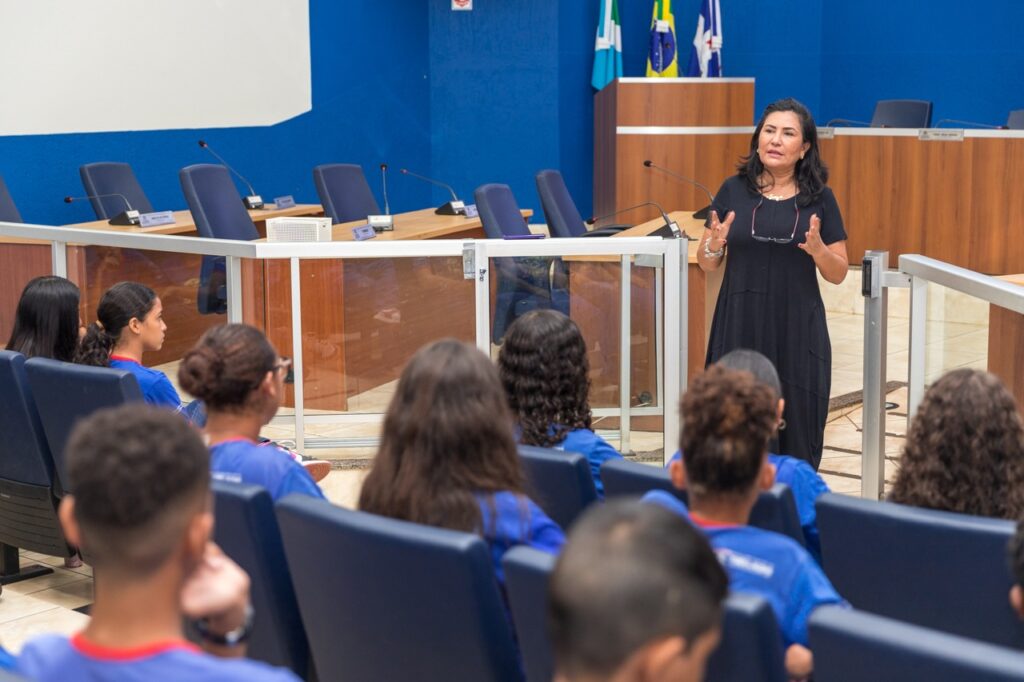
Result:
[778,225]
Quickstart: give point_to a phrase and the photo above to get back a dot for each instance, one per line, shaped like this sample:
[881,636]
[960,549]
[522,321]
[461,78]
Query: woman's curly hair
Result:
[544,368]
[965,449]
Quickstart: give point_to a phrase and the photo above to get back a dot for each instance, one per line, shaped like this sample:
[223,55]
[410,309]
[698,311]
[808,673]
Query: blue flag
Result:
[608,46]
[706,55]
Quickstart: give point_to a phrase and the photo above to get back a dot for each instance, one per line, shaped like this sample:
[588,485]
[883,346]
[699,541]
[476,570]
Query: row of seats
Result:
[916,113]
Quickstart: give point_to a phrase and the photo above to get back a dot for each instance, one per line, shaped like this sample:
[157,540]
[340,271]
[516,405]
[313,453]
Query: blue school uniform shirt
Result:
[156,387]
[594,448]
[767,564]
[242,461]
[509,519]
[54,658]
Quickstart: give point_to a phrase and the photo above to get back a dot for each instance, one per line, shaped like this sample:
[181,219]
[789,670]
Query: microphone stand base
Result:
[702,214]
[451,208]
[253,202]
[125,218]
[668,231]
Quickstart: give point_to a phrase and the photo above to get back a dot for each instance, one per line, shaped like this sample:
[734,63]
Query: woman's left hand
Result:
[813,245]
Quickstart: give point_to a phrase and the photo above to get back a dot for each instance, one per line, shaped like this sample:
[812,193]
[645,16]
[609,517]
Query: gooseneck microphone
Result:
[702,213]
[385,222]
[252,201]
[669,230]
[129,216]
[453,207]
[974,124]
[848,121]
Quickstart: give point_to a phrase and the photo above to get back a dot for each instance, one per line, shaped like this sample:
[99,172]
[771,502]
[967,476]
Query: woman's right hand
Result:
[719,230]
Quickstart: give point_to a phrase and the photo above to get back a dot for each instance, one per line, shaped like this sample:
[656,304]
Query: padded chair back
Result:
[499,211]
[560,210]
[8,211]
[1015,121]
[246,529]
[934,569]
[560,482]
[108,177]
[902,113]
[383,599]
[65,393]
[853,646]
[215,203]
[774,510]
[344,192]
[527,571]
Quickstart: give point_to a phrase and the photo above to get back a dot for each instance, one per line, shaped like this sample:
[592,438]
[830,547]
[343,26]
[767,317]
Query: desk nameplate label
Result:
[287,201]
[936,135]
[156,218]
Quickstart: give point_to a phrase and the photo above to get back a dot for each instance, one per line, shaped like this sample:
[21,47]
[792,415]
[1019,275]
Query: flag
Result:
[662,57]
[608,46]
[706,55]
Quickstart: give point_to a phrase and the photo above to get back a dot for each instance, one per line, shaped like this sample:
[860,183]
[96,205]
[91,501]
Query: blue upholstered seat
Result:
[344,192]
[560,212]
[108,177]
[902,113]
[560,482]
[8,211]
[1015,121]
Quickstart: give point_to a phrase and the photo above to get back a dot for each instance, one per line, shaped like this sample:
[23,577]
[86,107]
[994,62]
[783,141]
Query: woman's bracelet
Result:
[712,254]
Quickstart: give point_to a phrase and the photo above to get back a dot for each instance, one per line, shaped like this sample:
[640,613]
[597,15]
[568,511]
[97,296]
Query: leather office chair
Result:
[384,599]
[8,211]
[852,646]
[561,482]
[1015,121]
[560,212]
[28,503]
[902,113]
[935,569]
[774,510]
[246,529]
[344,192]
[65,393]
[109,177]
[750,649]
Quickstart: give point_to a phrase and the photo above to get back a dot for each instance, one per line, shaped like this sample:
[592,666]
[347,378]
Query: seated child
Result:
[546,374]
[1015,552]
[636,595]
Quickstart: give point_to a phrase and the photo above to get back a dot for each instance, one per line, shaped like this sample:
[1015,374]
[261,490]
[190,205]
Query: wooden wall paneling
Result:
[861,179]
[605,142]
[1006,349]
[19,263]
[707,103]
[994,228]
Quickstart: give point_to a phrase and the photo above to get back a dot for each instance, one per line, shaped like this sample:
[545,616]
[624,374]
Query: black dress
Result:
[770,303]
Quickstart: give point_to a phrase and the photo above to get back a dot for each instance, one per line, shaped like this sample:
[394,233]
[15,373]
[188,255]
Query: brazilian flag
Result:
[662,57]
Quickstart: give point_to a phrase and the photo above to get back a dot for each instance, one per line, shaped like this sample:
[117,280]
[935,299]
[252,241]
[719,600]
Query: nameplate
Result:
[943,135]
[471,211]
[363,232]
[156,218]
[286,201]
[826,133]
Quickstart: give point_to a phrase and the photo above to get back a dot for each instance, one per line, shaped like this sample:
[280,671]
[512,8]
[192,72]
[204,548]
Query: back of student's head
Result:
[226,367]
[544,367]
[745,360]
[728,417]
[118,305]
[447,436]
[138,475]
[630,575]
[46,321]
[964,451]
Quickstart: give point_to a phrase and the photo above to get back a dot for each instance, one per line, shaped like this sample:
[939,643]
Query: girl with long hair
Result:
[46,322]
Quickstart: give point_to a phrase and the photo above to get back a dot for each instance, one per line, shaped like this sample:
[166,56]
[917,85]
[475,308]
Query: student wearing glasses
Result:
[775,225]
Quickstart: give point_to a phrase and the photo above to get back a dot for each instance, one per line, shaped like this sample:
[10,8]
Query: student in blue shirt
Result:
[235,371]
[727,419]
[448,458]
[546,374]
[142,506]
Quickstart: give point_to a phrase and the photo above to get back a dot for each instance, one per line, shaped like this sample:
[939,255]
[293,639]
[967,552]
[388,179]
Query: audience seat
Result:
[560,212]
[246,529]
[852,646]
[1015,121]
[560,482]
[931,568]
[344,192]
[750,649]
[28,503]
[113,178]
[902,113]
[8,211]
[384,599]
[774,510]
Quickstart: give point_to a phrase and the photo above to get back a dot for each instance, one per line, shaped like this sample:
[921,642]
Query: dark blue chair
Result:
[750,650]
[774,510]
[851,646]
[383,599]
[931,568]
[28,502]
[902,113]
[344,192]
[65,393]
[109,177]
[560,482]
[8,211]
[560,212]
[246,529]
[499,211]
[1015,121]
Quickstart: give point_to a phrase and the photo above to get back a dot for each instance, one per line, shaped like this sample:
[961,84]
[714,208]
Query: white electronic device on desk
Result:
[299,230]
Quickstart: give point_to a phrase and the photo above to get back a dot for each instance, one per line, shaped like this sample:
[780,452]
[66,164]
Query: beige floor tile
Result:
[842,484]
[56,620]
[849,464]
[60,576]
[70,596]
[342,486]
[14,606]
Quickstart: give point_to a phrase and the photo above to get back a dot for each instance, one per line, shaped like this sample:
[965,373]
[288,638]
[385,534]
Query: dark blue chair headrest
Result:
[1015,121]
[902,113]
[108,177]
[390,600]
[560,482]
[527,572]
[560,210]
[24,454]
[935,569]
[215,203]
[851,646]
[8,211]
[344,192]
[499,211]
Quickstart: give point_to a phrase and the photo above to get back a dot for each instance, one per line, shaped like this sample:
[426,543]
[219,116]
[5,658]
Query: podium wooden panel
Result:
[1006,345]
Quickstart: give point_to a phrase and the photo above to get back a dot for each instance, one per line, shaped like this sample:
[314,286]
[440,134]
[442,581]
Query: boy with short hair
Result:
[141,512]
[636,595]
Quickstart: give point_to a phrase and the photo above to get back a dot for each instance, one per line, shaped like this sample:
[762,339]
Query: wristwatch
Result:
[713,254]
[230,638]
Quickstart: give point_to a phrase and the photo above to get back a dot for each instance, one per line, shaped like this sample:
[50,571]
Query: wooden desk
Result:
[1006,345]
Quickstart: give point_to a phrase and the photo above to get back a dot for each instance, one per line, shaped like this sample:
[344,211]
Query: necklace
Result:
[775,197]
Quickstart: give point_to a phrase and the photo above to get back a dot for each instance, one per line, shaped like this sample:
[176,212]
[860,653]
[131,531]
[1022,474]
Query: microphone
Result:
[970,123]
[848,121]
[702,213]
[453,207]
[669,230]
[129,216]
[383,223]
[252,201]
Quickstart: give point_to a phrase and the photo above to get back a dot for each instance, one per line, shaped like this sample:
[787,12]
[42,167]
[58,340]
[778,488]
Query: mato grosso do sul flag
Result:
[607,46]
